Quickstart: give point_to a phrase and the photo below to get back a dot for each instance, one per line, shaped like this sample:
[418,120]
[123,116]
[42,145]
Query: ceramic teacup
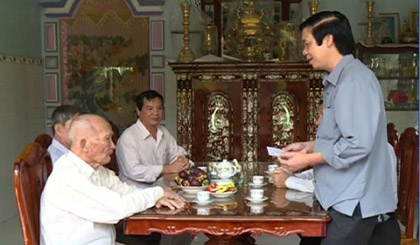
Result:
[257,209]
[203,168]
[203,196]
[272,167]
[257,194]
[258,179]
[203,211]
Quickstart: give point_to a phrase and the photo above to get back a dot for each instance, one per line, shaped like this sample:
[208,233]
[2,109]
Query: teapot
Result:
[225,169]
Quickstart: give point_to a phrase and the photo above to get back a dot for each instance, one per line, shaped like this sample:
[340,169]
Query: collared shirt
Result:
[352,138]
[302,181]
[79,204]
[141,158]
[56,150]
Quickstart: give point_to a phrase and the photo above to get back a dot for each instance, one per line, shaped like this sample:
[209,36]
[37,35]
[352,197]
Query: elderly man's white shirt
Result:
[79,204]
[56,150]
[141,158]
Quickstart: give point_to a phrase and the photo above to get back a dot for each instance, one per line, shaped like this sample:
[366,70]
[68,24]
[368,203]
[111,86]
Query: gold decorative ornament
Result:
[369,39]
[186,54]
[313,7]
[219,128]
[210,40]
[248,35]
[283,105]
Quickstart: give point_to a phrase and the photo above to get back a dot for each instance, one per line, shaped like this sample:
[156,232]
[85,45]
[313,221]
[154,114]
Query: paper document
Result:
[273,151]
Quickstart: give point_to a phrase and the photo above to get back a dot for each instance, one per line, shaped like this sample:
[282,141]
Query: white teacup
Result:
[257,194]
[257,209]
[203,211]
[203,168]
[258,179]
[272,167]
[203,196]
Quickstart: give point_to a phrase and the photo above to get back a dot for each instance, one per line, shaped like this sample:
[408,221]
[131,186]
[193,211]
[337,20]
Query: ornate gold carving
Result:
[294,76]
[273,76]
[369,39]
[184,115]
[227,77]
[248,34]
[283,105]
[206,78]
[219,126]
[249,124]
[314,101]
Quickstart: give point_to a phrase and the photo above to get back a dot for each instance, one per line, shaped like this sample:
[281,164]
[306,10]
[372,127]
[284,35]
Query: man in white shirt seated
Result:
[61,120]
[82,199]
[146,150]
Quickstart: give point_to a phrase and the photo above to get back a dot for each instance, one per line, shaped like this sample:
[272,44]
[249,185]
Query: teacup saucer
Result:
[252,184]
[203,202]
[256,200]
[269,173]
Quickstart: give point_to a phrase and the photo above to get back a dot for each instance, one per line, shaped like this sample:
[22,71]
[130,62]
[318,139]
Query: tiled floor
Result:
[10,234]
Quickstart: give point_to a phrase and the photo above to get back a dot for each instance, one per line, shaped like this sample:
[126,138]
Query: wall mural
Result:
[105,53]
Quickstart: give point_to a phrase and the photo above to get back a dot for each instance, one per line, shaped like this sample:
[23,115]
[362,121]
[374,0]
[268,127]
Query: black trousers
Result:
[355,230]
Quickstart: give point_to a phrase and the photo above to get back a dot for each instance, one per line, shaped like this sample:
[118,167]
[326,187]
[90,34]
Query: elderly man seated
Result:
[82,200]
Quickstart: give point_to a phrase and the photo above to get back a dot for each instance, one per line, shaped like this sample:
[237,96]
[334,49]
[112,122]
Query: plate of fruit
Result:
[192,180]
[222,190]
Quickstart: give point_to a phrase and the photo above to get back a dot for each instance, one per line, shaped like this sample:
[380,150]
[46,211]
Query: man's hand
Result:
[280,176]
[304,147]
[171,200]
[168,193]
[294,161]
[181,163]
[170,203]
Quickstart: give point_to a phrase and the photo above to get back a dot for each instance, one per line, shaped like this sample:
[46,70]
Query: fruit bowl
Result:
[192,189]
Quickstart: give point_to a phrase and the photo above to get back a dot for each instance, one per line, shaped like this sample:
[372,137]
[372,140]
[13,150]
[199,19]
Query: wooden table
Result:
[225,220]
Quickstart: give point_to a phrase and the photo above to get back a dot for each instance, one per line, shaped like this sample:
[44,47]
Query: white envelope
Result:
[273,151]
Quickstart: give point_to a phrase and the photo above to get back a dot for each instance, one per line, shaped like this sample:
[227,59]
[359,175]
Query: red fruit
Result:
[195,182]
[183,174]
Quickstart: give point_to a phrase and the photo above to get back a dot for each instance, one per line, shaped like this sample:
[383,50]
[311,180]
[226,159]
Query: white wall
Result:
[22,118]
[22,110]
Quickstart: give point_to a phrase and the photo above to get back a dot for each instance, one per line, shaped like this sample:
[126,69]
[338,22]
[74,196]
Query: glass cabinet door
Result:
[397,72]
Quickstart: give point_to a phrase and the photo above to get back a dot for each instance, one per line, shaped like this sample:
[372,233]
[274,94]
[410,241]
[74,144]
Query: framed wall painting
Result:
[50,36]
[51,62]
[389,28]
[414,21]
[51,81]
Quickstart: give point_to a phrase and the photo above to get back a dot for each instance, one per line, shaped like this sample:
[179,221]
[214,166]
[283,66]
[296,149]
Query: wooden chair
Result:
[31,170]
[409,180]
[113,165]
[44,140]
